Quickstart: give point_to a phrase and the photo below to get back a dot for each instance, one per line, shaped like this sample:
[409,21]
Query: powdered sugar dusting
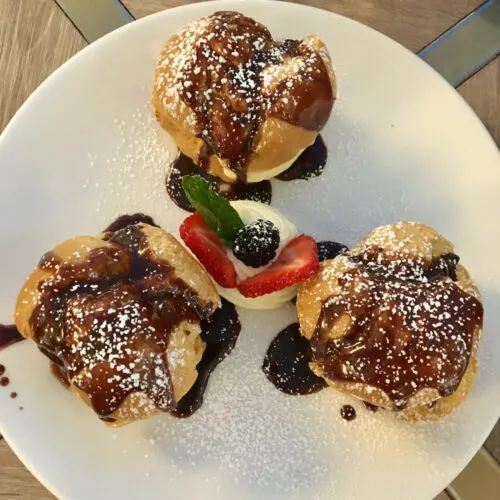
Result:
[137,168]
[273,445]
[224,75]
[396,315]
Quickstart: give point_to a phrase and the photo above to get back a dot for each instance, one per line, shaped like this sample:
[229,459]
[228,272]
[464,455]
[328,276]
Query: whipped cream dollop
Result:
[251,211]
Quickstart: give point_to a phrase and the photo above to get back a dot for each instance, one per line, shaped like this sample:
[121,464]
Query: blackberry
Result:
[329,250]
[256,244]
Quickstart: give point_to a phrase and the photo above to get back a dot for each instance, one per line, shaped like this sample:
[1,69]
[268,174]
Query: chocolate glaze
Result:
[222,84]
[370,407]
[412,326]
[123,221]
[4,381]
[59,374]
[9,335]
[220,333]
[183,165]
[310,163]
[347,412]
[111,318]
[286,364]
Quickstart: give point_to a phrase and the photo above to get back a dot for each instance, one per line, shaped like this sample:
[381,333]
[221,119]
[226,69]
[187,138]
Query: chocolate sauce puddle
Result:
[347,412]
[183,165]
[310,163]
[286,364]
[9,335]
[126,220]
[220,333]
[328,250]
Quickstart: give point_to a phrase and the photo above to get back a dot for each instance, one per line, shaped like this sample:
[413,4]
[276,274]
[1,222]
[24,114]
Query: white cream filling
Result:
[264,174]
[269,301]
[252,177]
[251,211]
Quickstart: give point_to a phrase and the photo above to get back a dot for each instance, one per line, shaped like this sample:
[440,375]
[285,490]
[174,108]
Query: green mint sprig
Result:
[216,210]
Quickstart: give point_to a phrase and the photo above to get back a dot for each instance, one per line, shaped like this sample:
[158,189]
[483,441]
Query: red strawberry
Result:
[209,249]
[296,262]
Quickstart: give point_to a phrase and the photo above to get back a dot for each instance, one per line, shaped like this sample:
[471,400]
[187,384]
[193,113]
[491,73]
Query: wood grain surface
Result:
[482,92]
[36,38]
[16,482]
[414,23]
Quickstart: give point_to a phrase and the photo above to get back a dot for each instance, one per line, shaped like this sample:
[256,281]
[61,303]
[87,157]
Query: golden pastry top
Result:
[109,311]
[232,76]
[401,316]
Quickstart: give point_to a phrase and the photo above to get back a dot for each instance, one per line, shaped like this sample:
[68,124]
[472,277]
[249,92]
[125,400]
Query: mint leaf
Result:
[216,210]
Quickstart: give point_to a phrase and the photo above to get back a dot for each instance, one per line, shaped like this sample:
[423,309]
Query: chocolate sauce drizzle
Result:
[222,83]
[347,412]
[310,163]
[411,326]
[9,335]
[220,333]
[328,250]
[106,322]
[183,165]
[286,364]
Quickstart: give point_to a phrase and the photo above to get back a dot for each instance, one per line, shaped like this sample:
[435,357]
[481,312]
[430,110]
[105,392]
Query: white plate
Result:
[402,145]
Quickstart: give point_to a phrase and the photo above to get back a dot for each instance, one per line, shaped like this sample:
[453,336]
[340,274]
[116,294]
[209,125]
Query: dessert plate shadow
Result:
[402,145]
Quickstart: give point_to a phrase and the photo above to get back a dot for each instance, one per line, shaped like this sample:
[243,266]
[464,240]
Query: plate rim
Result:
[59,73]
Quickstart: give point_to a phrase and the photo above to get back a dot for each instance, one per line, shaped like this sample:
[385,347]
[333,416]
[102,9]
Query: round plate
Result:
[402,145]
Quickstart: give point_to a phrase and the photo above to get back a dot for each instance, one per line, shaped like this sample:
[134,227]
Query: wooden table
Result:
[36,38]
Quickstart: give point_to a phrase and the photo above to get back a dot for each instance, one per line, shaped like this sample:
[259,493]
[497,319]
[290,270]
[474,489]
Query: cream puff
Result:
[119,315]
[240,104]
[395,322]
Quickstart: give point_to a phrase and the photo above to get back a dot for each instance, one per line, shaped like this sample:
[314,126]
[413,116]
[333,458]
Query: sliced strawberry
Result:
[209,249]
[296,262]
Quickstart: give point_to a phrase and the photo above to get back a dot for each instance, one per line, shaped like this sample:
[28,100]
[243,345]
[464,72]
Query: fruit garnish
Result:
[215,210]
[209,250]
[256,244]
[296,262]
